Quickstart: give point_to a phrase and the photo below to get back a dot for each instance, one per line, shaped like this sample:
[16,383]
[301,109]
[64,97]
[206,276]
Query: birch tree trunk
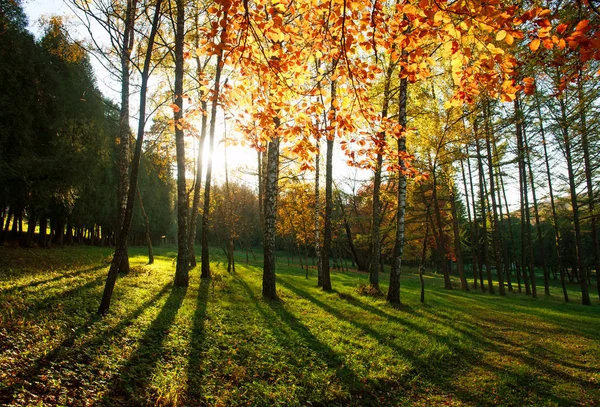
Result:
[182,268]
[393,295]
[269,289]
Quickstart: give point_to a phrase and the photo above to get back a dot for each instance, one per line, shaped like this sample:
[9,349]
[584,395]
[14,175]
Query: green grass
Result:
[219,343]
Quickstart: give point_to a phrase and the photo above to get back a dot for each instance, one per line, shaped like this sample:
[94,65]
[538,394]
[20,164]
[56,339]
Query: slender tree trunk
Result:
[197,189]
[531,264]
[121,250]
[393,295]
[376,214]
[182,278]
[585,295]
[536,213]
[317,216]
[124,129]
[475,260]
[229,212]
[269,289]
[559,260]
[524,203]
[423,256]
[503,244]
[464,285]
[486,259]
[328,198]
[375,223]
[147,224]
[207,184]
[588,177]
[496,229]
[198,182]
[512,258]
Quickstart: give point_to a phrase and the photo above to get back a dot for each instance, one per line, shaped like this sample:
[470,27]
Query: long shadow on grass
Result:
[66,350]
[345,375]
[65,275]
[542,360]
[198,336]
[131,383]
[472,351]
[442,374]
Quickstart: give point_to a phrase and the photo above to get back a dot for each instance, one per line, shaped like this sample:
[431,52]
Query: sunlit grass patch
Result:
[219,343]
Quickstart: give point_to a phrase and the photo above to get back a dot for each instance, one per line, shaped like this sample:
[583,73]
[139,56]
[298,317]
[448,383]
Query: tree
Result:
[121,249]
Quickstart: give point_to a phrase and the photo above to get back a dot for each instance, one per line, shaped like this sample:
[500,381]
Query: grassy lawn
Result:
[218,343]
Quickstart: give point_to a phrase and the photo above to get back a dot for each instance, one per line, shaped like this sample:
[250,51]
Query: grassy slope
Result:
[219,343]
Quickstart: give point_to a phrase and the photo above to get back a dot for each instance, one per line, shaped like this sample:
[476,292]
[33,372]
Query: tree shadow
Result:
[76,273]
[298,336]
[443,377]
[68,350]
[198,337]
[130,384]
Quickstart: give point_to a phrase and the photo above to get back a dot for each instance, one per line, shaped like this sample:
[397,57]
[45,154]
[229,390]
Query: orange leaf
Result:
[534,45]
[174,107]
[561,28]
[581,25]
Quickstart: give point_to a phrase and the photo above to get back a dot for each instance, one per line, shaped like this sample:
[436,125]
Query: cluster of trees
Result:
[446,103]
[57,144]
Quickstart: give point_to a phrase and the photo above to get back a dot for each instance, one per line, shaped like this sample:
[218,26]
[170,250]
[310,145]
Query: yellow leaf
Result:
[501,35]
[509,39]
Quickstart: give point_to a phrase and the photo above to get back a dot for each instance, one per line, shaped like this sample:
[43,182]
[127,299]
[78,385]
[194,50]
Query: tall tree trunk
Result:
[588,176]
[585,295]
[423,256]
[328,197]
[197,189]
[486,259]
[496,229]
[269,289]
[199,155]
[507,263]
[439,231]
[182,278]
[229,212]
[376,214]
[472,221]
[526,260]
[124,129]
[559,260]
[393,295]
[147,225]
[512,258]
[375,223]
[213,118]
[317,215]
[536,213]
[260,186]
[457,244]
[121,250]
